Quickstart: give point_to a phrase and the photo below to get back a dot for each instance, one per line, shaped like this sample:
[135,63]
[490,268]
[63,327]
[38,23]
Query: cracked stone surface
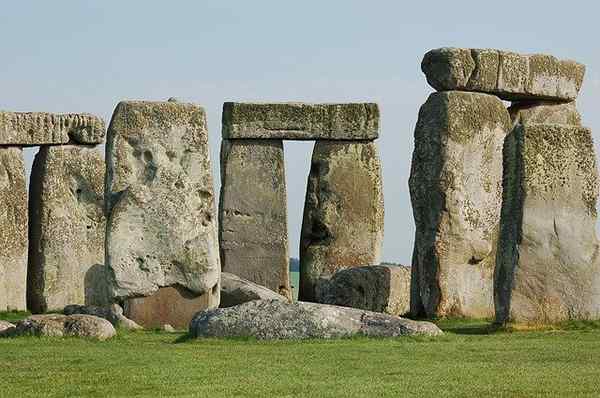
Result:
[536,112]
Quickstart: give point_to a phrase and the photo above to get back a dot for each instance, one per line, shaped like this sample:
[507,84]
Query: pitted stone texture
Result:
[39,128]
[236,290]
[66,209]
[171,305]
[544,112]
[456,193]
[13,229]
[548,268]
[161,221]
[378,288]
[343,212]
[274,319]
[508,75]
[112,313]
[57,325]
[300,121]
[253,213]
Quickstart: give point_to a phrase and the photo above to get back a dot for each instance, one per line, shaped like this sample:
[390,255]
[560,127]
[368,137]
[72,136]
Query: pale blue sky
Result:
[85,56]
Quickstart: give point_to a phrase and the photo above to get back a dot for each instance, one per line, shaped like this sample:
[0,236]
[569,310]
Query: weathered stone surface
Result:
[300,121]
[161,221]
[235,290]
[343,212]
[548,268]
[274,319]
[13,229]
[39,128]
[378,288]
[58,325]
[536,112]
[112,313]
[456,193]
[66,209]
[508,75]
[253,213]
[172,305]
[7,329]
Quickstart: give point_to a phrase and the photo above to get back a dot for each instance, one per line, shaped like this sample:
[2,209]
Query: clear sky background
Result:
[85,56]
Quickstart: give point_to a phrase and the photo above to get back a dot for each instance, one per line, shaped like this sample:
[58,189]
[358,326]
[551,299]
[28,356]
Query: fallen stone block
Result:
[58,325]
[456,194]
[343,212]
[67,228]
[7,329]
[236,290]
[547,268]
[40,128]
[508,75]
[275,319]
[300,121]
[112,313]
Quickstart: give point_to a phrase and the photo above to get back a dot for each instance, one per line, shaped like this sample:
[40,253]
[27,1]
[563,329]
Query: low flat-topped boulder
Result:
[112,313]
[41,128]
[274,319]
[508,75]
[236,290]
[58,325]
[300,121]
[378,288]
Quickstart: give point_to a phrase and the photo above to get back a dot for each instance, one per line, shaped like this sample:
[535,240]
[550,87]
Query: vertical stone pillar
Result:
[13,229]
[253,213]
[343,212]
[456,193]
[67,227]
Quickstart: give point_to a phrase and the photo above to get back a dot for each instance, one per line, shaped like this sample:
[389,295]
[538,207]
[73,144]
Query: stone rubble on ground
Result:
[58,325]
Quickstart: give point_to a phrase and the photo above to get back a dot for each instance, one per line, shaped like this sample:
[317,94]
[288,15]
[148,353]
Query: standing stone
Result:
[456,192]
[161,221]
[66,209]
[13,229]
[544,112]
[253,213]
[548,268]
[343,211]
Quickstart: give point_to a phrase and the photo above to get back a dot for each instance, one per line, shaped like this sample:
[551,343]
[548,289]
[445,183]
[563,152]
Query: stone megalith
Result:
[508,75]
[547,269]
[67,227]
[544,112]
[253,232]
[343,211]
[13,229]
[456,193]
[161,221]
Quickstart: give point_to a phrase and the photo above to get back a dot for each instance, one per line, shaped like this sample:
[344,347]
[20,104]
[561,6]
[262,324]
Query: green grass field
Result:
[466,362]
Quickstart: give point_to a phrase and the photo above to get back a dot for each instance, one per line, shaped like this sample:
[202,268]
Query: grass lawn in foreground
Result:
[465,362]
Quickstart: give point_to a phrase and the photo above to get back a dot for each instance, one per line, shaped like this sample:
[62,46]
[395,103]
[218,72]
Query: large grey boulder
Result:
[161,219]
[67,228]
[300,121]
[508,75]
[112,313]
[6,329]
[343,211]
[548,268]
[456,193]
[58,325]
[274,319]
[236,290]
[13,229]
[40,128]
[378,288]
[253,232]
[540,112]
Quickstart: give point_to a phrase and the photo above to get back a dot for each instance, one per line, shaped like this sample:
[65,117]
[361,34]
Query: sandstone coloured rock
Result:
[39,128]
[377,288]
[300,121]
[456,193]
[548,268]
[7,329]
[112,313]
[274,319]
[253,213]
[236,290]
[13,229]
[67,227]
[508,75]
[58,325]
[343,212]
[161,219]
[536,112]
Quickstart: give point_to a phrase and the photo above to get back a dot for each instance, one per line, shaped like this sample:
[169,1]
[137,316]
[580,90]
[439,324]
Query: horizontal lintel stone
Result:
[300,121]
